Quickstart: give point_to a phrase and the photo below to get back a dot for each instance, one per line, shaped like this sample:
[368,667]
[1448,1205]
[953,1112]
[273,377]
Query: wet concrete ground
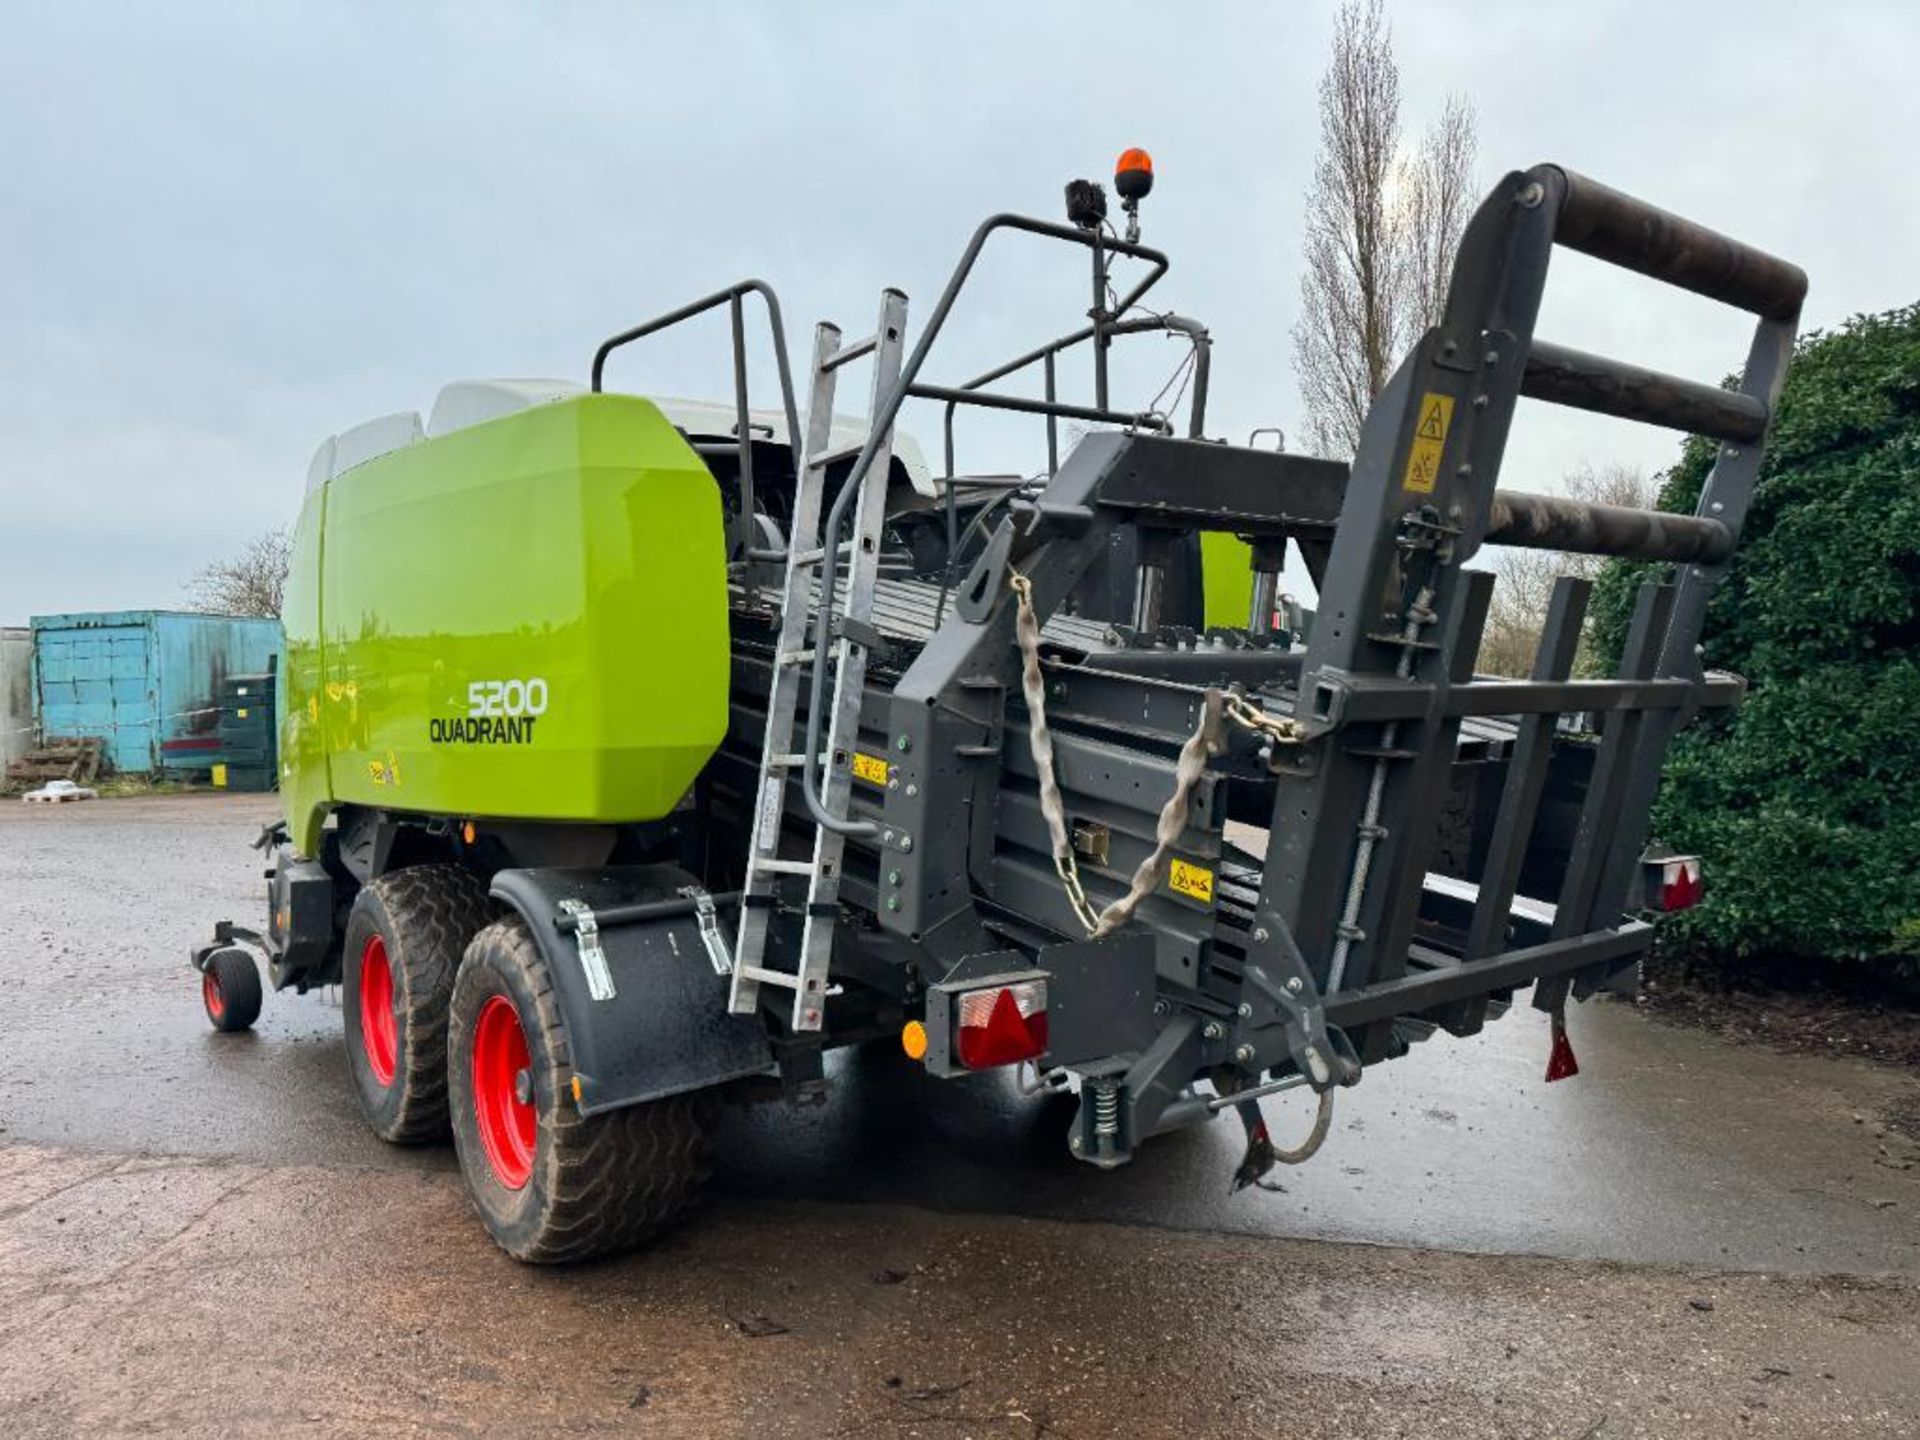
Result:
[177,1206]
[239,1298]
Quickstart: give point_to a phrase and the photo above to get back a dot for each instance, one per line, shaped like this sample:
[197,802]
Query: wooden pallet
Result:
[77,760]
[58,797]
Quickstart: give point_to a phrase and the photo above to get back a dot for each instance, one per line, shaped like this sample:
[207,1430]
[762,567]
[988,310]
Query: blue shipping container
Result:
[144,680]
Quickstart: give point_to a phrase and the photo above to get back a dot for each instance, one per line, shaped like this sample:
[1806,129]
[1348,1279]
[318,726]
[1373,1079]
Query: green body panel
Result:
[304,789]
[1226,574]
[526,619]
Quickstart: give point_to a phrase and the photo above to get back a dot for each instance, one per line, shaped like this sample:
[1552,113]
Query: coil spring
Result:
[1106,1109]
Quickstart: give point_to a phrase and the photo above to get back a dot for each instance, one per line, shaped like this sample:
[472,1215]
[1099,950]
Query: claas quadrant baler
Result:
[638,752]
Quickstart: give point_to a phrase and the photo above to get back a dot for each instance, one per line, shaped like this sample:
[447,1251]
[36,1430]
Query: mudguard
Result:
[303,947]
[637,984]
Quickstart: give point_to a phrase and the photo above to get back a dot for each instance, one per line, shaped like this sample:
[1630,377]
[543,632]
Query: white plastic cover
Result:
[321,470]
[369,441]
[474,402]
[466,403]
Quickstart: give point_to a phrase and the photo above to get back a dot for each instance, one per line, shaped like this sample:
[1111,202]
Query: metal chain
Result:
[1281,729]
[1205,742]
[1040,741]
[1069,871]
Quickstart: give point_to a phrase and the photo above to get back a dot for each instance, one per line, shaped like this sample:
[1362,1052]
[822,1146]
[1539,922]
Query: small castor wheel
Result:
[230,989]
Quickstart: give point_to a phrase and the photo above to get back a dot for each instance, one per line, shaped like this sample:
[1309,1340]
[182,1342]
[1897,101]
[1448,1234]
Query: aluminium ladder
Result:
[851,604]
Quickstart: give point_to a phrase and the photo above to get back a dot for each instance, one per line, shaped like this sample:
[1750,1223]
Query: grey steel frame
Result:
[1389,675]
[1483,357]
[1317,969]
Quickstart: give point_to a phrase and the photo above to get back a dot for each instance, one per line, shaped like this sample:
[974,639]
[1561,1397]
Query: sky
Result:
[227,232]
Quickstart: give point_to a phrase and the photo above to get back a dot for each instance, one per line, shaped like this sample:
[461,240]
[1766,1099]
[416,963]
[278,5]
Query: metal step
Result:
[773,865]
[834,457]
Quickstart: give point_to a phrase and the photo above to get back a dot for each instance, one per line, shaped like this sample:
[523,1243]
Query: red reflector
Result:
[1682,883]
[1003,1026]
[1560,1061]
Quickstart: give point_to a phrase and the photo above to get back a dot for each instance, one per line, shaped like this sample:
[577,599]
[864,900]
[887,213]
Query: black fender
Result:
[648,1018]
[303,930]
[301,943]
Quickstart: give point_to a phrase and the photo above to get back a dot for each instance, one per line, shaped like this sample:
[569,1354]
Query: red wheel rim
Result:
[216,1003]
[506,1123]
[379,1035]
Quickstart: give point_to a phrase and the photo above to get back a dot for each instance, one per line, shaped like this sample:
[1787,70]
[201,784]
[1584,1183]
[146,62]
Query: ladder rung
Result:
[815,555]
[847,354]
[791,760]
[773,866]
[768,977]
[834,457]
[796,657]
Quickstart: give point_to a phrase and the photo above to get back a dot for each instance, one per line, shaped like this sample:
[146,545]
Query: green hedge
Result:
[1806,801]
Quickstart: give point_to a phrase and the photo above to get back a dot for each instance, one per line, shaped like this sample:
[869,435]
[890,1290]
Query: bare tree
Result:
[1440,198]
[1350,291]
[248,584]
[1610,484]
[1380,229]
[1518,609]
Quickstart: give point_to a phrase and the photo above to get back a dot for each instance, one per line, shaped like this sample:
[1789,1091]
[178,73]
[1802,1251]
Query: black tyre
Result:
[230,990]
[553,1185]
[405,936]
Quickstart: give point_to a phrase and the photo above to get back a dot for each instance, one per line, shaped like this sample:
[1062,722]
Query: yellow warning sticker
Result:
[1429,440]
[870,768]
[1193,881]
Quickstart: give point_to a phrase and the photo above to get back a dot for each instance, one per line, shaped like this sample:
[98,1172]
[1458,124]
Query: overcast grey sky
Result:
[226,232]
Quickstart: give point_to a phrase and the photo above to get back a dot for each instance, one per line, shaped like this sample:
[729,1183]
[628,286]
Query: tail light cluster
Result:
[1000,1025]
[1675,882]
[981,1023]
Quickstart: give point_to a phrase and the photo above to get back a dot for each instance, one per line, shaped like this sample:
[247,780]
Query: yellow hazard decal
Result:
[870,768]
[1429,439]
[1193,881]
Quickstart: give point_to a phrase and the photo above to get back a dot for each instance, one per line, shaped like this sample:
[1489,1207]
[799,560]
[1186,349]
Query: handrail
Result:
[1046,355]
[1176,323]
[882,422]
[1053,409]
[730,297]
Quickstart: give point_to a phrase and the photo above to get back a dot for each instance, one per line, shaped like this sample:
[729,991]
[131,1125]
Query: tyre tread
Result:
[239,981]
[614,1180]
[431,913]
